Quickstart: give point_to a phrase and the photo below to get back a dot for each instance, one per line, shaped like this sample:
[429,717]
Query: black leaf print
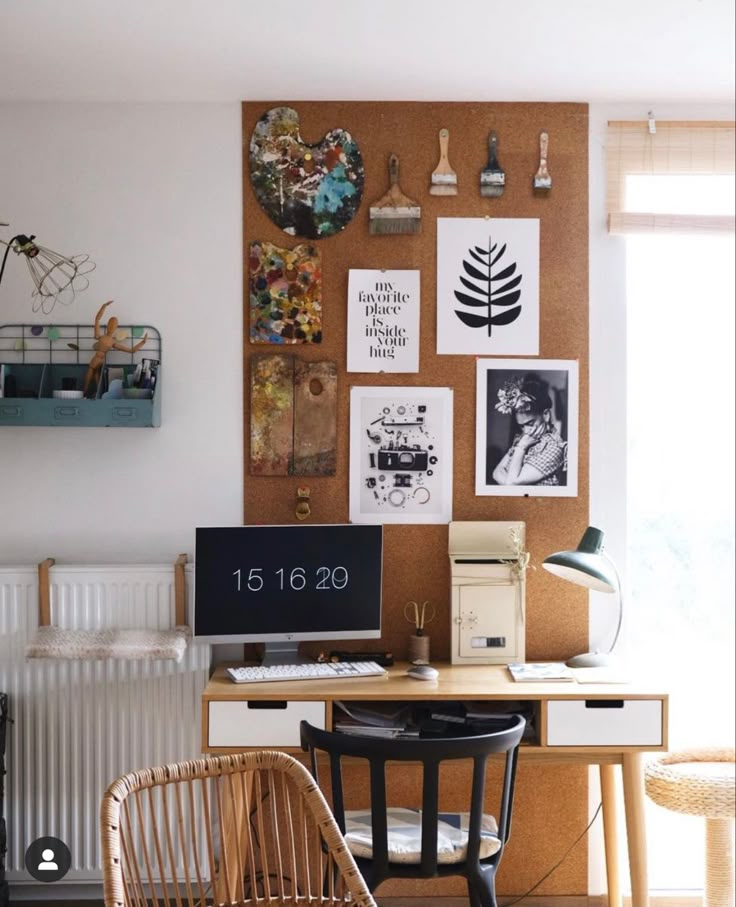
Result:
[471,286]
[486,295]
[474,272]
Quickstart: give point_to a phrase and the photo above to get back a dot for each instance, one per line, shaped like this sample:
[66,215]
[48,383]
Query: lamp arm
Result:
[8,246]
[620,601]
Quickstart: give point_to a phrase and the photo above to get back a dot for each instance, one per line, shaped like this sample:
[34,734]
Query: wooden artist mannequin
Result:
[104,343]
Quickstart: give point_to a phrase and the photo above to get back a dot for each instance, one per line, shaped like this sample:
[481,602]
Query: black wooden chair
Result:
[381,839]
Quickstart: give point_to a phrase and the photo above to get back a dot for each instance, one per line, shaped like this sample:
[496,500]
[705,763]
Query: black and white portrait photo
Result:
[527,427]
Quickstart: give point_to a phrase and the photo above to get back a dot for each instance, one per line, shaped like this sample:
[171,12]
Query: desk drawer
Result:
[604,722]
[261,723]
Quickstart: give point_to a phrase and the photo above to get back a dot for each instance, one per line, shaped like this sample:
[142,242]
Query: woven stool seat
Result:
[702,782]
[696,782]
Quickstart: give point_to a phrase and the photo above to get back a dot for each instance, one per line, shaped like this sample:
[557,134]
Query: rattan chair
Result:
[247,829]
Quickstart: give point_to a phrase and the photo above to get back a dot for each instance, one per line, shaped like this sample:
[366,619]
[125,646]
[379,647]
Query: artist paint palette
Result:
[285,293]
[306,190]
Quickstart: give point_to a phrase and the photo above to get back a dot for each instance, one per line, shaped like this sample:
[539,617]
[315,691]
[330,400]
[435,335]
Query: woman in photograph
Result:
[538,454]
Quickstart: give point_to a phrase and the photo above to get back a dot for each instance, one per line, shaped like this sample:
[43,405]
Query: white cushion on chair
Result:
[405,836]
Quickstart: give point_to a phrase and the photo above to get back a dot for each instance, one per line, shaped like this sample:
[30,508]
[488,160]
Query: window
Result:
[680,463]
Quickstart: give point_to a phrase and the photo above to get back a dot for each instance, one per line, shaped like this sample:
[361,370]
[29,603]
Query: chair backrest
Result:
[250,828]
[429,752]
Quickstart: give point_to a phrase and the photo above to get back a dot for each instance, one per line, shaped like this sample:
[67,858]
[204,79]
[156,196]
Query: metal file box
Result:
[488,586]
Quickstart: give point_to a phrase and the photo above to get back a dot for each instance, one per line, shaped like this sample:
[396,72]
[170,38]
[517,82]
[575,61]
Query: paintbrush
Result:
[394,212]
[542,180]
[492,179]
[444,178]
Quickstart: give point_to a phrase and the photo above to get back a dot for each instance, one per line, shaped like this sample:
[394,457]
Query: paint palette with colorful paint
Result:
[306,190]
[285,293]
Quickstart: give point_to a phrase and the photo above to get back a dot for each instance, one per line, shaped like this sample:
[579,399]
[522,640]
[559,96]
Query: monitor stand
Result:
[283,653]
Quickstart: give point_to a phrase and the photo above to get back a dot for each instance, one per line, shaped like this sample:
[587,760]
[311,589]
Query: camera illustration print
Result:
[400,455]
[488,286]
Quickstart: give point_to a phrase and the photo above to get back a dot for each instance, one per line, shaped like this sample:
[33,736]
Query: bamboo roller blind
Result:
[697,148]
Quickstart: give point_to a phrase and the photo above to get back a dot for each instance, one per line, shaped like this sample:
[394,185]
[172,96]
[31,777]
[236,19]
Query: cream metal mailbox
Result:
[488,565]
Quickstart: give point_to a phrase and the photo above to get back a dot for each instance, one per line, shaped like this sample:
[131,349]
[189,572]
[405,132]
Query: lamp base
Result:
[591,660]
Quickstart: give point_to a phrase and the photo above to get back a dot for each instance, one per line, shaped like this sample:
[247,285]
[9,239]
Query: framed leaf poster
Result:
[488,286]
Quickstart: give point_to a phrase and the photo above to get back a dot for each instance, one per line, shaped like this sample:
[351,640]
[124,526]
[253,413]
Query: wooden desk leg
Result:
[610,834]
[633,777]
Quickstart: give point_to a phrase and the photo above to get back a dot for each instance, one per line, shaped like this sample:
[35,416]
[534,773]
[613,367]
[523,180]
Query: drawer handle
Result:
[604,703]
[10,410]
[63,412]
[269,704]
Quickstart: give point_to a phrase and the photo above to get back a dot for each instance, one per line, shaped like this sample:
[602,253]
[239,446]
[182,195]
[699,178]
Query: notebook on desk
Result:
[540,671]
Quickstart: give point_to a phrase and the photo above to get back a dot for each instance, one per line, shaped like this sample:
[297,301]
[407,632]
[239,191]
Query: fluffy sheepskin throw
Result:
[53,642]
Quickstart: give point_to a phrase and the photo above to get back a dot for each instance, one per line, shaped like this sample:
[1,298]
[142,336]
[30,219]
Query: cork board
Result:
[416,564]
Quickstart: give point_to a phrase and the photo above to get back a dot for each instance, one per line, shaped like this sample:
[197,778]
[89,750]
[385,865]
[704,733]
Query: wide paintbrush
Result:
[394,212]
[444,178]
[492,179]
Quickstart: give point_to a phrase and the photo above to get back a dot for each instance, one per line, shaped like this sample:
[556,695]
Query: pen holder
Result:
[419,650]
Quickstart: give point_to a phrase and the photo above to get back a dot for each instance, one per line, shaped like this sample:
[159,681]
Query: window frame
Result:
[608,357]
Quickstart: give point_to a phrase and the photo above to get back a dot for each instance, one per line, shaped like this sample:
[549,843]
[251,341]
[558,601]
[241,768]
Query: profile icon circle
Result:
[48,859]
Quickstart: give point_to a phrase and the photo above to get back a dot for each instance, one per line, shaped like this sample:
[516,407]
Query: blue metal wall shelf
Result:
[36,364]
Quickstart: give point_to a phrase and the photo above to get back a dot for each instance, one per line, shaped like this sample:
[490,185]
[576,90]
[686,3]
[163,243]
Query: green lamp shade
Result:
[589,566]
[585,566]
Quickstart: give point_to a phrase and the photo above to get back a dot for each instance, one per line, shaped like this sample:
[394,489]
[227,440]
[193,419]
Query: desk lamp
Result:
[591,567]
[57,278]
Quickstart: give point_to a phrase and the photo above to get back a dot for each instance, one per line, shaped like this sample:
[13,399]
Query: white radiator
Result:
[77,725]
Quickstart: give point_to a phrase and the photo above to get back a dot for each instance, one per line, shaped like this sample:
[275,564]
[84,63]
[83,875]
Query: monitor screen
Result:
[276,583]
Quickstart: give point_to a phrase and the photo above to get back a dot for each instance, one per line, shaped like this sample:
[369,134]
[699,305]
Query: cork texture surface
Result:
[551,805]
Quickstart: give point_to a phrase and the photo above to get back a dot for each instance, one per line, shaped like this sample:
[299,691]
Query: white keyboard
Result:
[326,670]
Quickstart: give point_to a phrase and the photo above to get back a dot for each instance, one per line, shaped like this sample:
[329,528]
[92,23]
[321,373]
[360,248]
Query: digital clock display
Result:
[298,579]
[256,583]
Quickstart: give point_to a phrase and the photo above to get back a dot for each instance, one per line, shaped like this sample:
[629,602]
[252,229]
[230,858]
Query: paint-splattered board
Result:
[292,416]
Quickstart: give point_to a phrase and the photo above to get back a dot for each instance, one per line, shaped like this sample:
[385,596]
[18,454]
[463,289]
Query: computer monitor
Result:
[280,585]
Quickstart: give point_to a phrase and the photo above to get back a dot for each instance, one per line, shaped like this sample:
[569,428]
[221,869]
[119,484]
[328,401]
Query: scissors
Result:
[417,614]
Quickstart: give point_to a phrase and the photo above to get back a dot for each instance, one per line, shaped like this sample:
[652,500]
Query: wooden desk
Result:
[590,724]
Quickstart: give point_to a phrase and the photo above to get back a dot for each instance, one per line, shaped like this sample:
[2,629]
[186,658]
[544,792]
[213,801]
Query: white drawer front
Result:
[234,724]
[628,722]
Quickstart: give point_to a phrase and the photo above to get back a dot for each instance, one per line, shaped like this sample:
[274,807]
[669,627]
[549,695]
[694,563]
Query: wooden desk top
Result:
[458,682]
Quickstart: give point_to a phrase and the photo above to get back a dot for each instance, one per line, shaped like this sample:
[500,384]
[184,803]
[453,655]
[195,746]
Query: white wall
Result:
[153,194]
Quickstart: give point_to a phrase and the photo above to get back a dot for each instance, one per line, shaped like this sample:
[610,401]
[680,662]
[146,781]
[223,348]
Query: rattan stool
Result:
[701,783]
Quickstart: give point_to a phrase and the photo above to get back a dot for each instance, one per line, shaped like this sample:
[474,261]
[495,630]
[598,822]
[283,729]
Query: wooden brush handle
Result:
[393,171]
[443,168]
[543,147]
[394,198]
[444,144]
